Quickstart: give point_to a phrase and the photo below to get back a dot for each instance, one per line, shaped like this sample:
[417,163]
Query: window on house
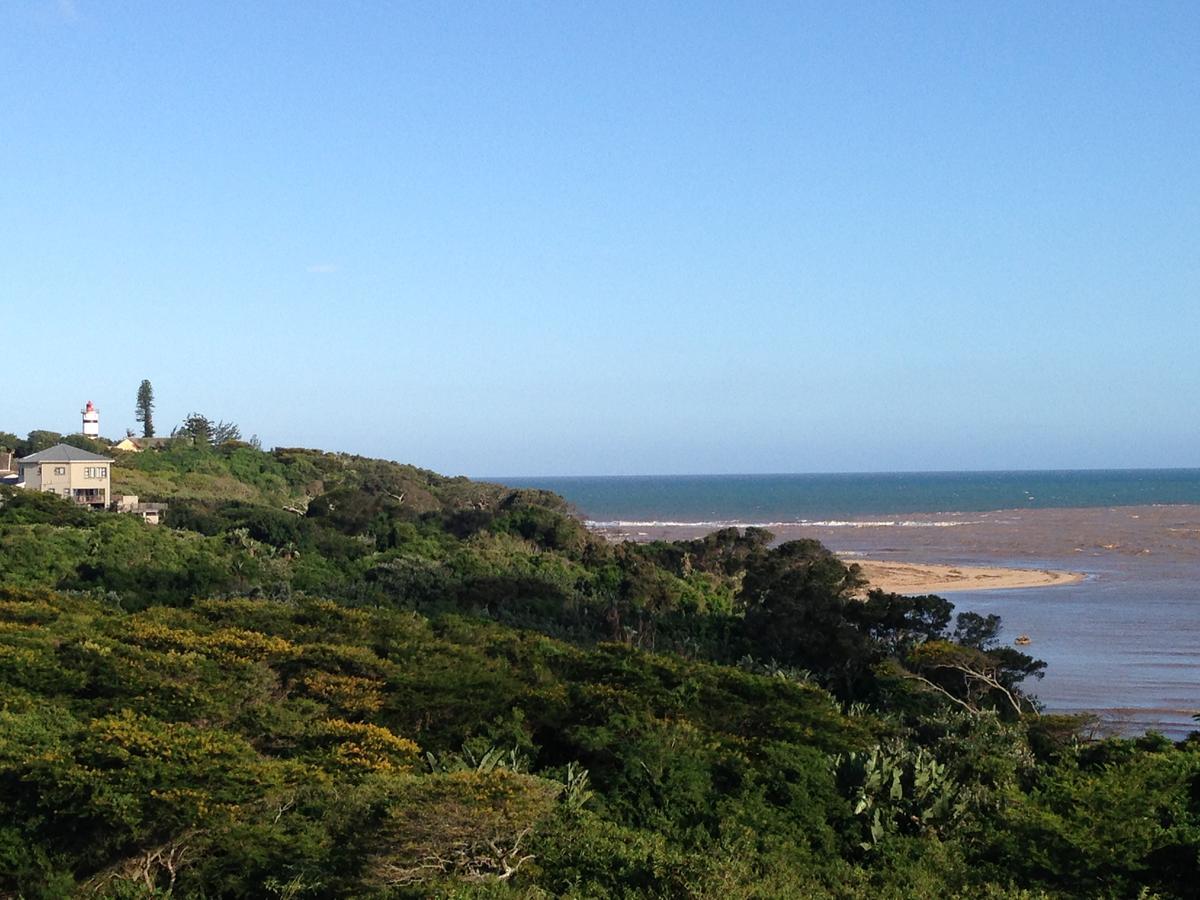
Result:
[104,471]
[60,470]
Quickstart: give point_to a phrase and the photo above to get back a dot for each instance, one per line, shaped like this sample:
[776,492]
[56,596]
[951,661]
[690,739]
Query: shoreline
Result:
[961,543]
[937,578]
[660,529]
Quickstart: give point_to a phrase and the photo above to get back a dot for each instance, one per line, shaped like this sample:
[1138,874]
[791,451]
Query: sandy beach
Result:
[930,578]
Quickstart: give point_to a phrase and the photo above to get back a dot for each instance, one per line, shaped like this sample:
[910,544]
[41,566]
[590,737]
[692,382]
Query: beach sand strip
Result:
[929,578]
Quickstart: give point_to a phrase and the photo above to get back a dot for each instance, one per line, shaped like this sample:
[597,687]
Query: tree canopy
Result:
[202,430]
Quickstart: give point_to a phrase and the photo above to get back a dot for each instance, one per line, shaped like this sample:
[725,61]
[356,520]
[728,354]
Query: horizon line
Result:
[852,472]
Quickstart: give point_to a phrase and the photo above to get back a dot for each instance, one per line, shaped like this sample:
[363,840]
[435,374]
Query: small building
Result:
[72,473]
[138,444]
[151,513]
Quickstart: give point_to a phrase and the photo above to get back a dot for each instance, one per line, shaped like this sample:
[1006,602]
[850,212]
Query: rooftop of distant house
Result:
[141,443]
[64,453]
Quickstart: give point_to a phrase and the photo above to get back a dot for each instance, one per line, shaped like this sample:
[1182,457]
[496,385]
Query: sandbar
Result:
[930,578]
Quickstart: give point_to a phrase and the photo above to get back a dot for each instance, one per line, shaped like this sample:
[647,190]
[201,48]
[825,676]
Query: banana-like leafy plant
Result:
[896,789]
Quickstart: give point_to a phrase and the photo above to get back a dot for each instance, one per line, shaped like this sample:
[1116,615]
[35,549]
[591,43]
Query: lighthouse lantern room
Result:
[91,420]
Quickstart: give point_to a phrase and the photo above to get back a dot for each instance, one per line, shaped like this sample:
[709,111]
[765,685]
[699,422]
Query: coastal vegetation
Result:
[331,676]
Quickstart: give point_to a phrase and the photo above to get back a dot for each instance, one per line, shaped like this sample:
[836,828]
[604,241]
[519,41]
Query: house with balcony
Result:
[70,472]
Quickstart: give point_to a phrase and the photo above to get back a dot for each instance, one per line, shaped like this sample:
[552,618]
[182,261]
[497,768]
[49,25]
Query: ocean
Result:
[1123,644]
[774,499]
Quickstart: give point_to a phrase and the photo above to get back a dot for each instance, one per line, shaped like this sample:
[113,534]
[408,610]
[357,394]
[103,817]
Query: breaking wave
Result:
[801,523]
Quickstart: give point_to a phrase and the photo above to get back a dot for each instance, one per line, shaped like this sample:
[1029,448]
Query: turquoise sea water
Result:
[799,498]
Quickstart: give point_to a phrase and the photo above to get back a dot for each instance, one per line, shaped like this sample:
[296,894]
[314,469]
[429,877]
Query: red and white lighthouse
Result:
[91,420]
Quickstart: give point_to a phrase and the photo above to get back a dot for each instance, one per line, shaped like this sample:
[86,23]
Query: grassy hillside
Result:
[289,477]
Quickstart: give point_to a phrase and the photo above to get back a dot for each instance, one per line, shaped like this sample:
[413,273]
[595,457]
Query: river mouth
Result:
[1123,643]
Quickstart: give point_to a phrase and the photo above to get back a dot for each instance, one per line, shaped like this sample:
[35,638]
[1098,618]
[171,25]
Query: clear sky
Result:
[592,238]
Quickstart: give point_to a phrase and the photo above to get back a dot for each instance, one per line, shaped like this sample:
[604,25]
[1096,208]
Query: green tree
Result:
[83,442]
[205,431]
[39,440]
[795,599]
[223,432]
[973,630]
[198,427]
[973,678]
[144,411]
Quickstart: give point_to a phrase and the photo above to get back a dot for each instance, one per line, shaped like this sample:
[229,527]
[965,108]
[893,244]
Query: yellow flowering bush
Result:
[348,694]
[366,748]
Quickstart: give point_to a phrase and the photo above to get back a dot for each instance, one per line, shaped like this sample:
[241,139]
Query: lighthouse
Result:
[91,421]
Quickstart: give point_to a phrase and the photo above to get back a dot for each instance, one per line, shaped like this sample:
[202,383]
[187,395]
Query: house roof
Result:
[64,453]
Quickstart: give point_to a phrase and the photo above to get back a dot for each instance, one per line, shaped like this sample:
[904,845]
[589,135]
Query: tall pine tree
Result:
[145,408]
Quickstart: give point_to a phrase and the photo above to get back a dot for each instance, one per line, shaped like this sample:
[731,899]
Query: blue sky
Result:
[571,238]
